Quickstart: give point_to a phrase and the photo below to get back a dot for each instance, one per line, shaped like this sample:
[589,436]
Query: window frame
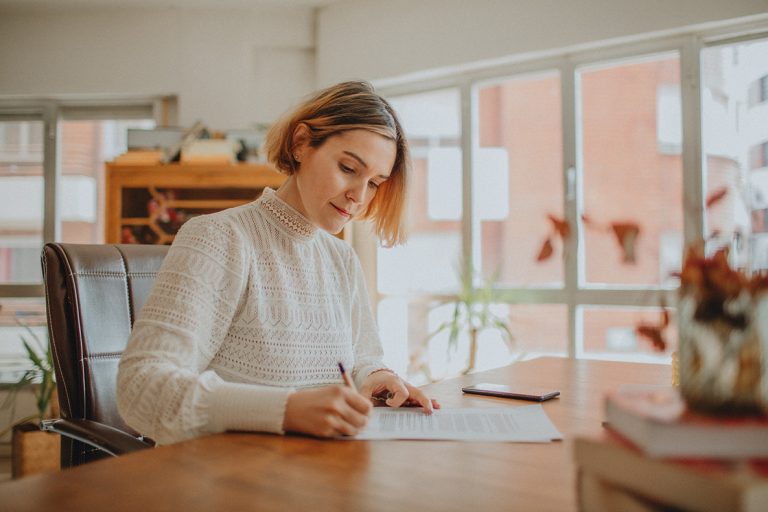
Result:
[688,47]
[51,112]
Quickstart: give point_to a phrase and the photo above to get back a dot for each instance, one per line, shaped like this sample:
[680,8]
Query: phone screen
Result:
[536,394]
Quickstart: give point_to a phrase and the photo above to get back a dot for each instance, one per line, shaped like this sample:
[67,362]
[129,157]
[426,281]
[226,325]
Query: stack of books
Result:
[656,455]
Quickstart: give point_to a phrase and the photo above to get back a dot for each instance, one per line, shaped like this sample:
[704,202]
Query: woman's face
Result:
[337,180]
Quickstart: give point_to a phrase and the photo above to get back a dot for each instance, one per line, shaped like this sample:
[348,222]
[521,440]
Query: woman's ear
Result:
[299,141]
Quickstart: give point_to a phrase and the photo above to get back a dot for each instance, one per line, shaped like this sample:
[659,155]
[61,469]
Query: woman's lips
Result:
[342,211]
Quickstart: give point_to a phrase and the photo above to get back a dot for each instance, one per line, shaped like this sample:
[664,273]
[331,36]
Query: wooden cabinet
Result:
[148,203]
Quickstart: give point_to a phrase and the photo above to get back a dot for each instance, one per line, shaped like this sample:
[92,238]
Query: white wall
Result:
[231,68]
[372,39]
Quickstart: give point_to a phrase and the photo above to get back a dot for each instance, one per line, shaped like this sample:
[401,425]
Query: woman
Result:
[255,306]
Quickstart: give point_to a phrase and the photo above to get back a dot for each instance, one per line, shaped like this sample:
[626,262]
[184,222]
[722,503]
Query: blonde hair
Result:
[340,108]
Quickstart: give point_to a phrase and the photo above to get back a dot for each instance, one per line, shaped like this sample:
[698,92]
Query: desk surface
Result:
[245,471]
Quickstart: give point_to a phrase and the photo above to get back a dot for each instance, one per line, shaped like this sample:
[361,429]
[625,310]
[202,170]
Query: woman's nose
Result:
[357,193]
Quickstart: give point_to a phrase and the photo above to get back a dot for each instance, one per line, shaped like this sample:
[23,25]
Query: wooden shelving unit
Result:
[148,203]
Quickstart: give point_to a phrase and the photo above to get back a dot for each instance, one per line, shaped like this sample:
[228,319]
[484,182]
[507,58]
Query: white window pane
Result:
[735,138]
[539,329]
[21,201]
[518,178]
[85,146]
[429,262]
[631,172]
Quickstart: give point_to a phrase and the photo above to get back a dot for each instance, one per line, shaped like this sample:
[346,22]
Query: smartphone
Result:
[518,392]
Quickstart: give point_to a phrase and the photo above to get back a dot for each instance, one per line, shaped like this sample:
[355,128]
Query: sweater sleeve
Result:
[369,354]
[165,390]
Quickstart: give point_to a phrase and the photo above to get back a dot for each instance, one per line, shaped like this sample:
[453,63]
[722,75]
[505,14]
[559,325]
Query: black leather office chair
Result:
[93,294]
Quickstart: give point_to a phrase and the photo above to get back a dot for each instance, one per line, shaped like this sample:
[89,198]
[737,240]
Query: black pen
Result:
[351,384]
[346,378]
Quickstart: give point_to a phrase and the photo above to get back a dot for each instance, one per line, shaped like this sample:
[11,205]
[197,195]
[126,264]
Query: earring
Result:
[297,157]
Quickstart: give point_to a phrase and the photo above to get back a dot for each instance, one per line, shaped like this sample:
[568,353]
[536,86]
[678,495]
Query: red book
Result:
[647,483]
[656,420]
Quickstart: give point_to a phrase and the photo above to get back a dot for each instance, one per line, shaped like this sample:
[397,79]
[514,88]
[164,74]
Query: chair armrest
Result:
[98,435]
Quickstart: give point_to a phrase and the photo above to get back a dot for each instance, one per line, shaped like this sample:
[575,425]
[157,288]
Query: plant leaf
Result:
[32,354]
[440,328]
[654,333]
[716,196]
[626,234]
[546,251]
[562,226]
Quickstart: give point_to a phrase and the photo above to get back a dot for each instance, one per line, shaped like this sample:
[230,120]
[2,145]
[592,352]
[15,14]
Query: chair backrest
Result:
[93,294]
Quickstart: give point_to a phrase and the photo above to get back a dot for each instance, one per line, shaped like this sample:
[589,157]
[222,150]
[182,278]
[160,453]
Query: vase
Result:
[34,451]
[723,364]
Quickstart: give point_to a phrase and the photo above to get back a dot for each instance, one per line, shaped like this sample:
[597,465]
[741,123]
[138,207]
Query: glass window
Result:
[518,178]
[611,332]
[758,91]
[19,318]
[631,171]
[735,135]
[539,329]
[85,146]
[430,261]
[759,155]
[626,201]
[21,201]
[430,344]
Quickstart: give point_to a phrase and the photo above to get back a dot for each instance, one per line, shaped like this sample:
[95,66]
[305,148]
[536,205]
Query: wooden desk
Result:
[244,471]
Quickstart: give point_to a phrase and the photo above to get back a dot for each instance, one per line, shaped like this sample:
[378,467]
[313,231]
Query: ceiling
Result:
[241,4]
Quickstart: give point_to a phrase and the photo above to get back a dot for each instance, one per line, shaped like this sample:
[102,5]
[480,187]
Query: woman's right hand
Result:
[326,412]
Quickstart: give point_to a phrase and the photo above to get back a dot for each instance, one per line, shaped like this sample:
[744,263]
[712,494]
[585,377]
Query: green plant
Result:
[40,376]
[472,314]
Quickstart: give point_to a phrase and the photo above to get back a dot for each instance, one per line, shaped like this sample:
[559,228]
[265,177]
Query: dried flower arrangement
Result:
[722,335]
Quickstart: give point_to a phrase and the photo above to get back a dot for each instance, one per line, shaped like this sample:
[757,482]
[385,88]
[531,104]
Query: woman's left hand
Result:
[386,387]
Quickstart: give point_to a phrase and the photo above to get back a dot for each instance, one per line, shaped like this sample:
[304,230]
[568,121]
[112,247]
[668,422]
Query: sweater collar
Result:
[286,217]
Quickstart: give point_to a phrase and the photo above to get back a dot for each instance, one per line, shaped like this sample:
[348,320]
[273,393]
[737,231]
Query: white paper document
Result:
[526,424]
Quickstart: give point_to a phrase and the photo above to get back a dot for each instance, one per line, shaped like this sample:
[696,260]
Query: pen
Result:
[345,376]
[350,384]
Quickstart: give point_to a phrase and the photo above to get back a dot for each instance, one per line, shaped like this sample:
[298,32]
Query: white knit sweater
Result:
[250,304]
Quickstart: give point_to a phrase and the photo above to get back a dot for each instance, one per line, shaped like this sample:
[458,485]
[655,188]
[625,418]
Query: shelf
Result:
[149,203]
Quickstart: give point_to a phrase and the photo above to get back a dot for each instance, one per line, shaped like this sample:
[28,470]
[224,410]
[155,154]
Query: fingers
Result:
[326,412]
[410,396]
[422,399]
[398,394]
[354,411]
[339,426]
[394,392]
[357,401]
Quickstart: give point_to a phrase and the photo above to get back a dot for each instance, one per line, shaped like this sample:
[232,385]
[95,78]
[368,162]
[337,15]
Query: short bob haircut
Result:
[340,108]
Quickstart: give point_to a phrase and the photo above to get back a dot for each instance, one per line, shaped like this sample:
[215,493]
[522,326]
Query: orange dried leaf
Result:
[654,333]
[716,196]
[562,226]
[546,250]
[626,234]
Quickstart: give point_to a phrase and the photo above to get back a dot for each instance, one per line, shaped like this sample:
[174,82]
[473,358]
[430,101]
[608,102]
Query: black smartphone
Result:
[519,392]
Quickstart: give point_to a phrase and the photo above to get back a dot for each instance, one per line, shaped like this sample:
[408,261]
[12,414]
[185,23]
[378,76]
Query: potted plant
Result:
[472,314]
[34,451]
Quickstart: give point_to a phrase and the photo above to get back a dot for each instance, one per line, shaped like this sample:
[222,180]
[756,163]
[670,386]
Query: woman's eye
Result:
[346,169]
[373,184]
